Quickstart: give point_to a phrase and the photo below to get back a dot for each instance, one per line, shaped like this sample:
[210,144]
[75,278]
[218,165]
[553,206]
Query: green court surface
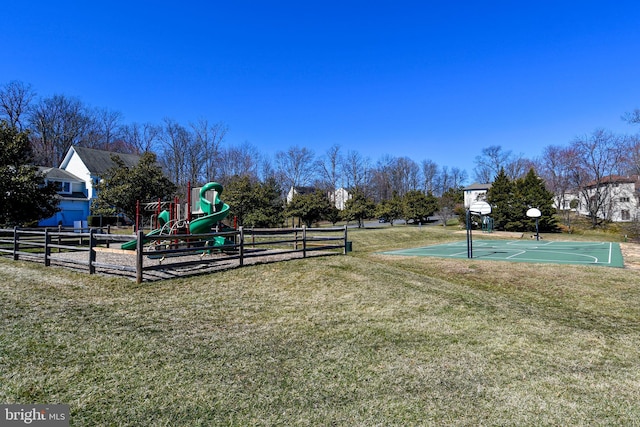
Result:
[557,252]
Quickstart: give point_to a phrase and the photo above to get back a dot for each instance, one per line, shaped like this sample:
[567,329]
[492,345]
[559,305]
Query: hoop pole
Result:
[469,236]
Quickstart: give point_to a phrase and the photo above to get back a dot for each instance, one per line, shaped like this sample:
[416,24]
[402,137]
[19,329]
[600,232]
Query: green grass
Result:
[364,339]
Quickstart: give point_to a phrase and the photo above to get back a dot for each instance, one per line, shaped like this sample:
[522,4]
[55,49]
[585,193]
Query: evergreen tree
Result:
[239,194]
[268,207]
[532,193]
[358,208]
[390,210]
[24,197]
[122,187]
[309,208]
[417,206]
[501,197]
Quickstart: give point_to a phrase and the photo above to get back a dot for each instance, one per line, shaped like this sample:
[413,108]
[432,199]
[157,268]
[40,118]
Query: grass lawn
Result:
[364,339]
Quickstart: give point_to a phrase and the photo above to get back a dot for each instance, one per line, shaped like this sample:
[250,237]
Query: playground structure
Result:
[174,225]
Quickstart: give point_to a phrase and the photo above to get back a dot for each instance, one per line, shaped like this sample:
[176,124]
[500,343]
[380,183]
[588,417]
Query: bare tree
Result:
[429,174]
[633,157]
[141,137]
[15,99]
[105,131]
[329,168]
[632,117]
[404,175]
[295,167]
[356,171]
[556,168]
[600,156]
[209,137]
[380,179]
[493,159]
[448,179]
[57,123]
[175,140]
[238,161]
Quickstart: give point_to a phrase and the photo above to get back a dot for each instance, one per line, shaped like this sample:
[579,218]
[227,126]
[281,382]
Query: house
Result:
[474,193]
[80,170]
[339,198]
[299,190]
[74,203]
[90,165]
[617,198]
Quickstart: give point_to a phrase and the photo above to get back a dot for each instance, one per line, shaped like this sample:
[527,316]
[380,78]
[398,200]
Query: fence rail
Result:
[47,245]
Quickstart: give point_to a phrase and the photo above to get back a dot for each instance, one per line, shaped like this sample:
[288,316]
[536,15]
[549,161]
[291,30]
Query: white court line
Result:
[516,254]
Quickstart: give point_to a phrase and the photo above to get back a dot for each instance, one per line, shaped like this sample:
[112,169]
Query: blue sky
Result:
[434,80]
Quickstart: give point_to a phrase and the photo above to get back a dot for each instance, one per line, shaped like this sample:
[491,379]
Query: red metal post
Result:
[137,226]
[189,202]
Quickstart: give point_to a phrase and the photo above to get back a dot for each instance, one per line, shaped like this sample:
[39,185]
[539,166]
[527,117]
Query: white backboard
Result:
[534,213]
[482,208]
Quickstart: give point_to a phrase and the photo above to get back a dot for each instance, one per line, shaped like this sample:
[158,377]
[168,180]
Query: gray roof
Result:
[57,174]
[477,186]
[99,161]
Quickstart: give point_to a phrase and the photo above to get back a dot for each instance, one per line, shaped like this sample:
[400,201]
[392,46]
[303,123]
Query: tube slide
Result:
[215,211]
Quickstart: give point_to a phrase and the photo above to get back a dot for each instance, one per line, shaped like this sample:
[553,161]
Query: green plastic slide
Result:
[215,212]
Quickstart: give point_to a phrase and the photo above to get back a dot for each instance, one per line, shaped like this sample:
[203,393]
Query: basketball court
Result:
[556,252]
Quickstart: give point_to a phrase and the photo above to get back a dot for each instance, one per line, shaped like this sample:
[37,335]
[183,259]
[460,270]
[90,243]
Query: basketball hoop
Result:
[476,208]
[535,213]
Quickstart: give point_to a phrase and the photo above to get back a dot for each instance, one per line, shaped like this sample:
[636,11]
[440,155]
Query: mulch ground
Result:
[123,263]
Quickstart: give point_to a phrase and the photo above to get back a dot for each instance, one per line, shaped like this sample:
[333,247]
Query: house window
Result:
[624,199]
[625,215]
[62,187]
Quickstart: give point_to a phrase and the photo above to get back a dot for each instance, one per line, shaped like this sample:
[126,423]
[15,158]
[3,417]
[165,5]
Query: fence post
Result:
[47,248]
[108,233]
[304,241]
[241,236]
[92,251]
[16,244]
[139,255]
[59,238]
[345,240]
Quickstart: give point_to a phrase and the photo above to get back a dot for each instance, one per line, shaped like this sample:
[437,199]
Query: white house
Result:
[474,193]
[339,198]
[619,198]
[76,177]
[299,190]
[90,164]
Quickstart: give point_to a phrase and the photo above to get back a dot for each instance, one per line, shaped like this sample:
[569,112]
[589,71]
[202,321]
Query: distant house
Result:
[339,198]
[620,198]
[81,169]
[299,190]
[474,193]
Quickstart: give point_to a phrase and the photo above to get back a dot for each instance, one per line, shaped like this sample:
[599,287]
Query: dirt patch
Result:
[631,255]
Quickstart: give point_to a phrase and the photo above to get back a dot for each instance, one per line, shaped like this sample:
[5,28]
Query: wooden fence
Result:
[98,249]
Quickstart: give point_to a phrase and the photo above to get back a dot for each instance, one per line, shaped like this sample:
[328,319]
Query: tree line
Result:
[197,152]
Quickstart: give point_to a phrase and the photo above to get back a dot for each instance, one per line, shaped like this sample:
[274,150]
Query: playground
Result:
[556,252]
[179,245]
[172,222]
